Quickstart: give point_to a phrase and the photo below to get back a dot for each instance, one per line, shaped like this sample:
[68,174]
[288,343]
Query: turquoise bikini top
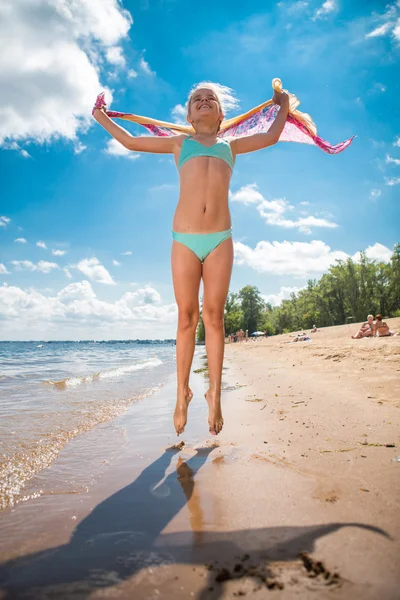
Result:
[192,148]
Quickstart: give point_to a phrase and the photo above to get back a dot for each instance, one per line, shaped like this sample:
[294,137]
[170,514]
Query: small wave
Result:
[17,470]
[75,381]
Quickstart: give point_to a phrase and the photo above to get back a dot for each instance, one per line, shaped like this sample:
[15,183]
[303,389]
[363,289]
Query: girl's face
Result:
[204,104]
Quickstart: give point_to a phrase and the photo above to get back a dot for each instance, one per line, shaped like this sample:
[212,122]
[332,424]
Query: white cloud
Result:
[21,240]
[58,252]
[393,181]
[379,31]
[393,161]
[288,258]
[390,22]
[284,293]
[116,149]
[92,268]
[77,305]
[305,203]
[396,141]
[179,113]
[114,56]
[3,270]
[377,252]
[116,263]
[49,64]
[41,244]
[67,273]
[131,74]
[375,194]
[128,253]
[42,266]
[17,148]
[300,259]
[4,221]
[247,194]
[144,65]
[273,211]
[147,295]
[77,291]
[327,7]
[79,147]
[396,31]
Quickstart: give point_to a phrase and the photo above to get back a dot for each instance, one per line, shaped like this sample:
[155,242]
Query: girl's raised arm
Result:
[157,145]
[257,141]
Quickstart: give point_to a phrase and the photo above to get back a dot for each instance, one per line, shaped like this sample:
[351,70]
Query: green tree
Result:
[253,307]
[233,314]
[395,280]
[201,332]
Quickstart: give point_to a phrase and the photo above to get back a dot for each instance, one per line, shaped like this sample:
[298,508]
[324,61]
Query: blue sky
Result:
[85,229]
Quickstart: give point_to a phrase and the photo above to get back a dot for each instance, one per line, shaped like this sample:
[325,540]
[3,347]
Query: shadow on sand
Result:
[122,536]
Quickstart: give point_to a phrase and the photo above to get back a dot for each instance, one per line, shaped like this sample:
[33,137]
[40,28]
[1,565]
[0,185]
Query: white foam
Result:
[156,362]
[75,381]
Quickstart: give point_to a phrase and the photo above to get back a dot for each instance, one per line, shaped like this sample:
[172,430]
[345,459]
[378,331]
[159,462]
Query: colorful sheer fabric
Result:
[299,126]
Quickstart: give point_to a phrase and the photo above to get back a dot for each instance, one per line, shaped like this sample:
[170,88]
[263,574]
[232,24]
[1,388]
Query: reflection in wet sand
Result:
[196,517]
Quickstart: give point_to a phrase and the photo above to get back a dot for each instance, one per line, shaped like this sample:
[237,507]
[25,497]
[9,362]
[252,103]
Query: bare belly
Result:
[203,200]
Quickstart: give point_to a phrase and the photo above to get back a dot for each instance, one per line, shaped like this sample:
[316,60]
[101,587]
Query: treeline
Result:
[348,289]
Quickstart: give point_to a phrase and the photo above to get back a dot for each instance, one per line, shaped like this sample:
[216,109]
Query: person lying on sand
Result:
[382,328]
[314,329]
[367,329]
[301,337]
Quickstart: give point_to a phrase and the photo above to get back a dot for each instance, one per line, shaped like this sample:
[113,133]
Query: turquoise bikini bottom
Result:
[202,244]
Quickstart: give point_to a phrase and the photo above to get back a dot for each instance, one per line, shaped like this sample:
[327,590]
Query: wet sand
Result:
[303,465]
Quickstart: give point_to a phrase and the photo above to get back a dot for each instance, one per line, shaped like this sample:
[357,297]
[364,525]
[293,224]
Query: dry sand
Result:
[304,464]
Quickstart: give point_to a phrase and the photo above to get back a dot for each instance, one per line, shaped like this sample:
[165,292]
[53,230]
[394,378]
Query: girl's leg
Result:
[186,275]
[217,269]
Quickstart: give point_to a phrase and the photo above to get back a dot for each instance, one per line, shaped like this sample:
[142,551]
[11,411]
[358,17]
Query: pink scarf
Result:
[299,126]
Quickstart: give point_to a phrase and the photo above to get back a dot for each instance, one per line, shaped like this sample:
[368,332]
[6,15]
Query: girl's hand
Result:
[100,104]
[281,99]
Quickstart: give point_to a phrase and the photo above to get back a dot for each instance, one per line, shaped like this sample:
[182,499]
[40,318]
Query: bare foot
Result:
[215,420]
[181,408]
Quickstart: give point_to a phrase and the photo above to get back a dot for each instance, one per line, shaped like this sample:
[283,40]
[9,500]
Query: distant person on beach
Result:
[202,247]
[314,329]
[301,337]
[382,328]
[367,329]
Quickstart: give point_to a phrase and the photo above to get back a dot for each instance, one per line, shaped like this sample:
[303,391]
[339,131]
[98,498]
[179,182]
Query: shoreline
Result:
[290,472]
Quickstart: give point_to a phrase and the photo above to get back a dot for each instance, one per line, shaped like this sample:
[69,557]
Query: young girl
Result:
[202,245]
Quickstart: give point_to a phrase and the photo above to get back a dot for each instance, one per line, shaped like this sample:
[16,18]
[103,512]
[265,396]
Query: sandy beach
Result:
[298,497]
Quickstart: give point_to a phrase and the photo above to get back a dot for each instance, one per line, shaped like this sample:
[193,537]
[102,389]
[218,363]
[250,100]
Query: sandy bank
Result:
[301,465]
